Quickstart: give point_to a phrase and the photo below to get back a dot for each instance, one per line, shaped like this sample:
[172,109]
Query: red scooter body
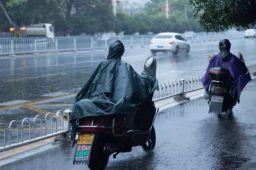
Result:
[101,136]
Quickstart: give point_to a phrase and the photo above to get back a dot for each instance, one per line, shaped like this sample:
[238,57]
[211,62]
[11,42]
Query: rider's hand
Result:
[243,66]
[206,95]
[241,57]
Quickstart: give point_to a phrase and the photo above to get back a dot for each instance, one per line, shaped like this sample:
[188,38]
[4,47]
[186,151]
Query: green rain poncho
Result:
[114,87]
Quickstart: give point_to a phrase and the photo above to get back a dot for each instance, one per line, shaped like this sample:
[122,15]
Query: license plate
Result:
[218,99]
[160,46]
[83,148]
[85,139]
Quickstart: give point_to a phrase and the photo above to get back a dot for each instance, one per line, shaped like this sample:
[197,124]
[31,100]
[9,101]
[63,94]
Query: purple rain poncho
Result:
[237,69]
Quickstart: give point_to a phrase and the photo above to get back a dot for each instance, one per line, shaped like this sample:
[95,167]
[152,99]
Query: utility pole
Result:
[186,11]
[114,7]
[167,9]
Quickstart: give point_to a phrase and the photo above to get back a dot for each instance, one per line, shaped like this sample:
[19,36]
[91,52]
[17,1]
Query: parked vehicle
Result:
[169,42]
[100,136]
[220,99]
[250,33]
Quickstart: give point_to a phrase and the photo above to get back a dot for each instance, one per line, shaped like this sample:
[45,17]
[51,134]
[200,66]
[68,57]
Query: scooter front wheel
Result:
[151,141]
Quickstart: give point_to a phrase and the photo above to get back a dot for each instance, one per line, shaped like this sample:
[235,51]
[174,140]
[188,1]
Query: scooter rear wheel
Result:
[98,158]
[150,142]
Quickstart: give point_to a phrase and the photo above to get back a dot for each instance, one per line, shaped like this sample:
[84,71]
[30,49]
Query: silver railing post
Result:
[74,43]
[3,130]
[143,41]
[91,43]
[9,130]
[131,42]
[183,85]
[35,46]
[181,94]
[45,118]
[37,117]
[56,45]
[4,136]
[26,119]
[12,47]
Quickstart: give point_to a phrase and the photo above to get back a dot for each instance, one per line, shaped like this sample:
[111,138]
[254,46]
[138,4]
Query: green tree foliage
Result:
[93,16]
[221,14]
[26,12]
[12,7]
[76,16]
[180,19]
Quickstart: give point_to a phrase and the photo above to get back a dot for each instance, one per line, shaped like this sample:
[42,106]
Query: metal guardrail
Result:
[29,130]
[30,45]
[178,87]
[26,45]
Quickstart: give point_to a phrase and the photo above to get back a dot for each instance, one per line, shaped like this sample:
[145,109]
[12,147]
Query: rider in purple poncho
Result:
[236,67]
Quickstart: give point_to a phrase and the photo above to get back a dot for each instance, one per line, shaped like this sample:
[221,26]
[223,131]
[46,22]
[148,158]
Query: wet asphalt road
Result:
[29,77]
[188,138]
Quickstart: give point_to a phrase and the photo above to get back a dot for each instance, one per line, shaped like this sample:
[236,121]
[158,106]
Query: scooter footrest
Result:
[133,131]
[116,148]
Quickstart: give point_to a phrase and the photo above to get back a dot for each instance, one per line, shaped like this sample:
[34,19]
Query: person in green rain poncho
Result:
[115,87]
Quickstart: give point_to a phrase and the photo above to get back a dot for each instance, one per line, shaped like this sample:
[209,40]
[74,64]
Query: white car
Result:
[249,33]
[169,41]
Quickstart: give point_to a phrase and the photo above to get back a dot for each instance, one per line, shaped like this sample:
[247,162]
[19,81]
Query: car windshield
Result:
[179,37]
[163,36]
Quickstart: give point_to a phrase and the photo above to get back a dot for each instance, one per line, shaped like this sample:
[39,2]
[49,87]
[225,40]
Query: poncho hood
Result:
[116,50]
